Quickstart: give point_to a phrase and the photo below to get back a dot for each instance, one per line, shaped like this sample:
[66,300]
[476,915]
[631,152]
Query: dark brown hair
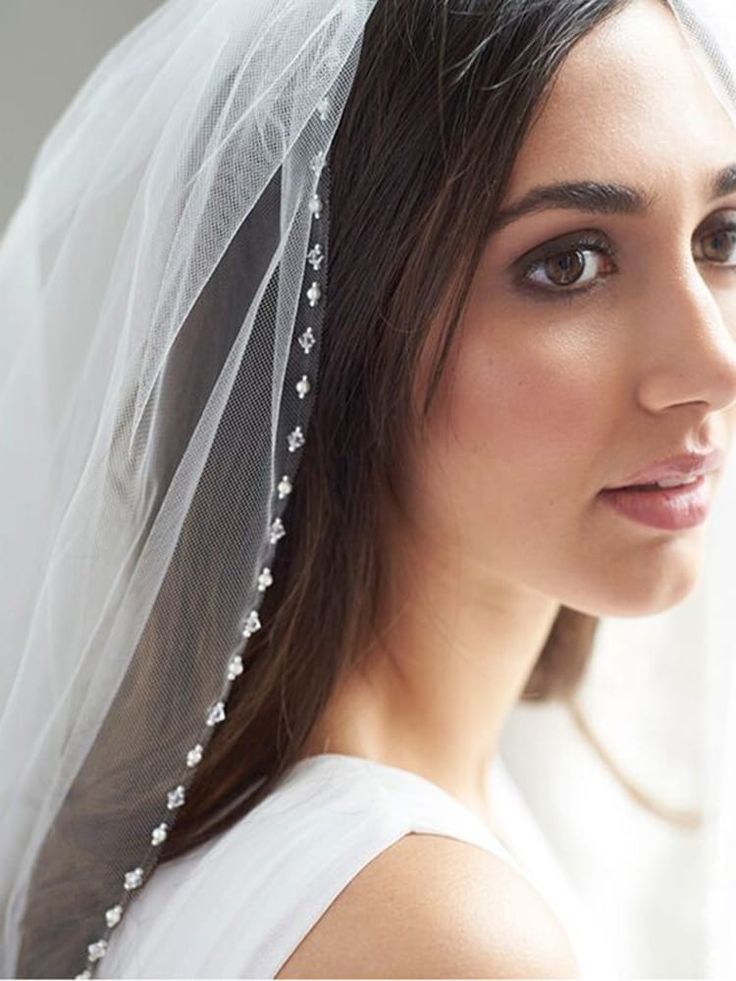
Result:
[443,97]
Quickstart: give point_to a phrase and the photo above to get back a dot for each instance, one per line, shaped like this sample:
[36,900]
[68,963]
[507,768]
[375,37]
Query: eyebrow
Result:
[602,197]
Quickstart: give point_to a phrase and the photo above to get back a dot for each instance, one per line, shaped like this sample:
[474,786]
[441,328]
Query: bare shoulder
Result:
[431,906]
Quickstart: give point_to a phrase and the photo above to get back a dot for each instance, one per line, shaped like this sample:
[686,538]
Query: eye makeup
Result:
[582,242]
[593,241]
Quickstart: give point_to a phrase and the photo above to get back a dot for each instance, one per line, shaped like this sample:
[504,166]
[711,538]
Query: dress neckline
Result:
[412,775]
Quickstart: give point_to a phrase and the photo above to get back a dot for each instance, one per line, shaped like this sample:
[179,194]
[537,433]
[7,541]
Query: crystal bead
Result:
[194,756]
[112,915]
[251,624]
[307,340]
[175,797]
[86,973]
[322,106]
[296,439]
[277,531]
[318,162]
[315,205]
[313,294]
[235,667]
[284,487]
[159,833]
[265,579]
[97,950]
[315,256]
[303,386]
[133,879]
[216,714]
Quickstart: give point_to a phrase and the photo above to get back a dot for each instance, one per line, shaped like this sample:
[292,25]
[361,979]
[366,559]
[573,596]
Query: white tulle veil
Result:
[162,287]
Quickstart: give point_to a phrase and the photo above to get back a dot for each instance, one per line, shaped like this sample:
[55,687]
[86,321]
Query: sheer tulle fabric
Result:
[154,288]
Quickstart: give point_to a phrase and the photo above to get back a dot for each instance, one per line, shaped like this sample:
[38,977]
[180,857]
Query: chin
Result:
[644,586]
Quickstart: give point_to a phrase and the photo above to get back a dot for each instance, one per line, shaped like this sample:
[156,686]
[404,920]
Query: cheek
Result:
[524,423]
[519,438]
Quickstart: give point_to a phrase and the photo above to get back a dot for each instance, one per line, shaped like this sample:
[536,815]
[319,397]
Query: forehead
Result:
[624,108]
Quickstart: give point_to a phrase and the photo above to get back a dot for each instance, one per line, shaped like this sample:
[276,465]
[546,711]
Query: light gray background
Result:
[47,49]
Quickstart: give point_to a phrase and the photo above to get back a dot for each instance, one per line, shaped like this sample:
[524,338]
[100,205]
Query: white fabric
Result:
[239,905]
[157,311]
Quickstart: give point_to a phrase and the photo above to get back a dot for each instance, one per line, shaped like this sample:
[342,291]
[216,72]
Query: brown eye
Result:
[565,267]
[720,245]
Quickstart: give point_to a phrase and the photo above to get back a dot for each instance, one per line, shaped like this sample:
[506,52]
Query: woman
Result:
[531,301]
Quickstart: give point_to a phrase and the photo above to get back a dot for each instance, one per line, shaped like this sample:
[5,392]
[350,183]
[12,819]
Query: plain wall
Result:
[47,49]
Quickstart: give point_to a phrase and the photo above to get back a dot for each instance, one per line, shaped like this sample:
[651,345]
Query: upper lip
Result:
[684,465]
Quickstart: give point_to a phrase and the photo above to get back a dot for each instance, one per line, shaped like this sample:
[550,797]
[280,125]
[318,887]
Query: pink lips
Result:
[669,509]
[685,465]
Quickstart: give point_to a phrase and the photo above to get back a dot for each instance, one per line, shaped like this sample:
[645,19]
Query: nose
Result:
[693,327]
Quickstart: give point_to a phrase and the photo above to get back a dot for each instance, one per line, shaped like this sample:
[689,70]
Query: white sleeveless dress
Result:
[239,905]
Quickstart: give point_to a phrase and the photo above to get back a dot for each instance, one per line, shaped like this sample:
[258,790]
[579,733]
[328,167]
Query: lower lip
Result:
[669,508]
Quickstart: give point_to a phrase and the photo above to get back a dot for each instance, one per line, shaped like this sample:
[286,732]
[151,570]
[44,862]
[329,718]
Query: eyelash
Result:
[585,243]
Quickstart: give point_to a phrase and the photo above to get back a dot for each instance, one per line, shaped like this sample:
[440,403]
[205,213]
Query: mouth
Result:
[667,508]
[676,485]
[675,470]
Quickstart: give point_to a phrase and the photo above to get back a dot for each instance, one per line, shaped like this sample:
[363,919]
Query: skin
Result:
[549,398]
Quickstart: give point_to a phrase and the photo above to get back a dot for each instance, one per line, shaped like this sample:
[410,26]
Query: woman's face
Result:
[560,390]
